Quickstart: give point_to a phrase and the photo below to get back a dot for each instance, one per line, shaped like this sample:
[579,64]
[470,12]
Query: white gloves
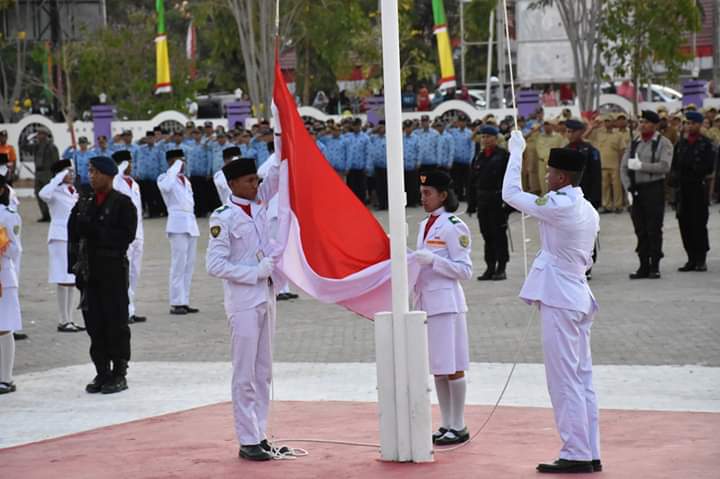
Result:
[630,198]
[265,268]
[424,256]
[517,142]
[276,119]
[60,175]
[634,164]
[175,168]
[122,167]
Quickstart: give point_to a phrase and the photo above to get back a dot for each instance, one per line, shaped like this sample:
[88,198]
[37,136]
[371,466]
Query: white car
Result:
[658,93]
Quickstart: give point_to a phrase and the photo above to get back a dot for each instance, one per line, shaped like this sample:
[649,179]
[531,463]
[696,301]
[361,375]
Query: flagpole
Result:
[401,337]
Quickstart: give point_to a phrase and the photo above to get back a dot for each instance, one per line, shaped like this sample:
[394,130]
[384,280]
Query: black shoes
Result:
[642,273]
[597,465]
[286,296]
[136,319]
[267,447]
[114,385]
[487,275]
[96,385]
[701,266]
[19,336]
[254,452]
[190,310]
[178,310]
[7,388]
[499,276]
[453,437]
[692,266]
[438,434]
[565,466]
[70,328]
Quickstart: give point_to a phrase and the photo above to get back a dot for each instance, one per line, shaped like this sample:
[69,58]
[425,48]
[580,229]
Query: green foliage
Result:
[638,34]
[121,63]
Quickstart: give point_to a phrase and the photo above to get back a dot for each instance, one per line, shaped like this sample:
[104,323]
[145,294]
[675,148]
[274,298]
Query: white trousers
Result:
[251,348]
[568,369]
[182,263]
[135,255]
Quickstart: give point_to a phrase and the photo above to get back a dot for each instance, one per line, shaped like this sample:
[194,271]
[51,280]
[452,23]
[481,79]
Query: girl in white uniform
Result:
[60,196]
[10,319]
[443,251]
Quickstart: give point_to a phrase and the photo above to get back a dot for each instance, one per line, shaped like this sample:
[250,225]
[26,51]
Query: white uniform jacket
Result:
[221,185]
[438,290]
[60,198]
[178,196]
[568,227]
[130,188]
[237,245]
[14,200]
[11,222]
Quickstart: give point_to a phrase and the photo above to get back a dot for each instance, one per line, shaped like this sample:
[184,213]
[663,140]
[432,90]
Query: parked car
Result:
[656,93]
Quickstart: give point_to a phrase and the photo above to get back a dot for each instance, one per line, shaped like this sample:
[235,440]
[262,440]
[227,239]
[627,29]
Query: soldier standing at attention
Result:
[101,227]
[556,283]
[182,230]
[238,253]
[692,162]
[643,169]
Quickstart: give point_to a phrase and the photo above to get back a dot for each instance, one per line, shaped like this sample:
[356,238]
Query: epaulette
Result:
[221,209]
[560,193]
[453,219]
[10,210]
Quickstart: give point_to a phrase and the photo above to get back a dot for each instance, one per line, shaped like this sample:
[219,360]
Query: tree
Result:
[581,20]
[13,59]
[638,37]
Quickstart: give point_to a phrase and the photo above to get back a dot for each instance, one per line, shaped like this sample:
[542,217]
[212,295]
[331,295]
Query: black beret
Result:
[488,130]
[60,165]
[121,155]
[425,118]
[83,140]
[239,167]
[650,116]
[104,165]
[357,121]
[151,132]
[407,123]
[573,124]
[172,154]
[694,117]
[230,152]
[566,159]
[435,178]
[4,160]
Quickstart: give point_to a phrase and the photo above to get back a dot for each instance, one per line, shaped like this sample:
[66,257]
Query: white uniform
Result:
[556,283]
[221,185]
[237,245]
[438,291]
[60,198]
[129,187]
[182,231]
[11,223]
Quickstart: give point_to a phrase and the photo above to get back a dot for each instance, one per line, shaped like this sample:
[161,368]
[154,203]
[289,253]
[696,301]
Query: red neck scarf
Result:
[488,151]
[246,208]
[646,136]
[429,224]
[100,197]
[71,189]
[128,180]
[692,138]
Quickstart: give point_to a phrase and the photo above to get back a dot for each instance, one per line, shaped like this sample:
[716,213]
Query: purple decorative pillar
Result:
[237,111]
[694,91]
[375,109]
[527,102]
[102,120]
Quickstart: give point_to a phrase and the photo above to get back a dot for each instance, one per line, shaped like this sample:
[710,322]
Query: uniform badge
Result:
[423,179]
[541,200]
[464,241]
[16,229]
[215,231]
[453,219]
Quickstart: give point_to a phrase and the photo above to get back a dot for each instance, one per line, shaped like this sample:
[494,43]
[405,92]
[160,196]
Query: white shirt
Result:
[131,190]
[11,222]
[222,187]
[60,198]
[178,196]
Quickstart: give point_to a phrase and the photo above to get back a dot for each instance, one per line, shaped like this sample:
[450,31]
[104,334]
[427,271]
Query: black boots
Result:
[654,272]
[489,272]
[493,273]
[117,382]
[499,273]
[103,376]
[649,269]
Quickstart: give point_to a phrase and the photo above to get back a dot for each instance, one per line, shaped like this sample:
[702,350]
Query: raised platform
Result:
[200,443]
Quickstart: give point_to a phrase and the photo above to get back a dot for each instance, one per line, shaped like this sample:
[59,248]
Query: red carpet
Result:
[200,443]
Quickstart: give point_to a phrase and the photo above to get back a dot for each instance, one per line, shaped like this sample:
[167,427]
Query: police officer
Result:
[692,162]
[643,169]
[557,284]
[125,184]
[10,316]
[591,182]
[101,227]
[443,251]
[149,164]
[238,252]
[182,230]
[611,146]
[487,171]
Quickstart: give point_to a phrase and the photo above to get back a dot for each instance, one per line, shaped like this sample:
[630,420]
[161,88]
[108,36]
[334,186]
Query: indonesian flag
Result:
[329,244]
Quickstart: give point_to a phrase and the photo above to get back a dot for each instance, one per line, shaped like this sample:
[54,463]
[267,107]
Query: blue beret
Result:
[694,116]
[573,124]
[104,165]
[488,130]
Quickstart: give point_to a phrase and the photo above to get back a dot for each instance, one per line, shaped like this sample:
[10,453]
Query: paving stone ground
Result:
[675,320]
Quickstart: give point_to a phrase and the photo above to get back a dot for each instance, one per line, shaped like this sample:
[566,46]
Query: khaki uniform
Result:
[530,164]
[671,134]
[545,143]
[611,145]
[712,133]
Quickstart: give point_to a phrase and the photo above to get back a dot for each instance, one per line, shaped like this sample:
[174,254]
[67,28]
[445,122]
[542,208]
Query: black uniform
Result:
[485,196]
[98,239]
[691,165]
[591,182]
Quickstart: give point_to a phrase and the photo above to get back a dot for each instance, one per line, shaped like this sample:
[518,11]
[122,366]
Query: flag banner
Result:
[191,49]
[329,244]
[447,69]
[162,58]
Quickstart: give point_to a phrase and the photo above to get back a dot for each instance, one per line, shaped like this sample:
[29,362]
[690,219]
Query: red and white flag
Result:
[191,49]
[329,244]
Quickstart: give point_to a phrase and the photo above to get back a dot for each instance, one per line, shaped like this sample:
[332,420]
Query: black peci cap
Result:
[566,159]
[239,167]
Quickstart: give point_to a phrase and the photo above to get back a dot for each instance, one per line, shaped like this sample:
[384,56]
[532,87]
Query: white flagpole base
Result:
[404,406]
